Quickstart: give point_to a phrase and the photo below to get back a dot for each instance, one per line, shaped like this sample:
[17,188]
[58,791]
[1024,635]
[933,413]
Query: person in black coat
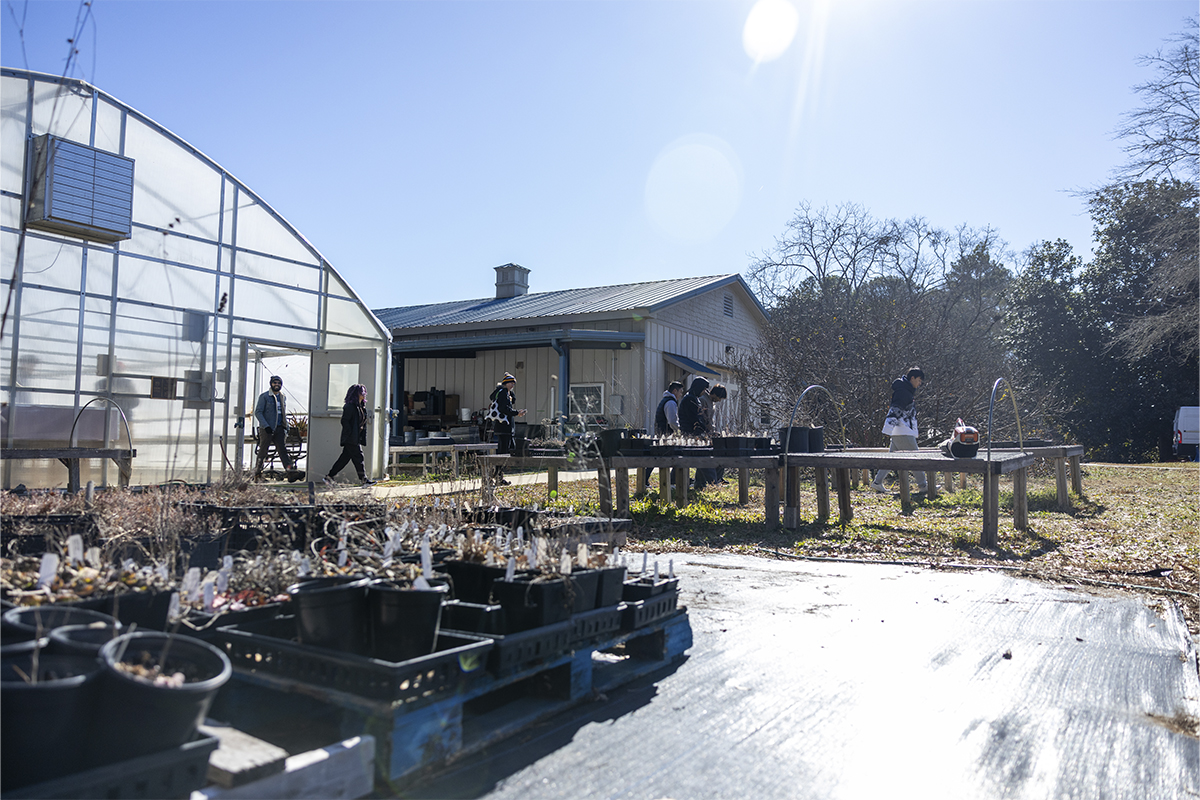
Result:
[354,435]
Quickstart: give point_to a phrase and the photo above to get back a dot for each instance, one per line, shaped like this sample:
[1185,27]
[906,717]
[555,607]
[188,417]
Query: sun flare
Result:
[770,29]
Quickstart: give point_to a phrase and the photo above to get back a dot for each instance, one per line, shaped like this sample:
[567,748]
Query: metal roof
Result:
[649,296]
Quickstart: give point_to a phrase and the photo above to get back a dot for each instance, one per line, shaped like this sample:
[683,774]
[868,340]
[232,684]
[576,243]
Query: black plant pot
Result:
[474,617]
[134,716]
[610,586]
[404,621]
[82,640]
[816,440]
[532,604]
[44,730]
[469,581]
[332,613]
[793,440]
[24,622]
[583,587]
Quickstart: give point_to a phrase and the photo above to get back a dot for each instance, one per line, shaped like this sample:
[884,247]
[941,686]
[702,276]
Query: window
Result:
[587,398]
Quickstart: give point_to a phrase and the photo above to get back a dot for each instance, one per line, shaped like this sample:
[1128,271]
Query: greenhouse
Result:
[150,295]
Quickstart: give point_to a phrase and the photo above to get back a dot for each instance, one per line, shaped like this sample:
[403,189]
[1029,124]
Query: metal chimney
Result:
[512,280]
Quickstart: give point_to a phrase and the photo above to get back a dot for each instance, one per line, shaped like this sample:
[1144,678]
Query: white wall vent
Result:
[80,191]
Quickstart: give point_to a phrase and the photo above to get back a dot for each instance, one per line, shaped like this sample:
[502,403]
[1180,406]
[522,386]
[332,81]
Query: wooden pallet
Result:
[414,740]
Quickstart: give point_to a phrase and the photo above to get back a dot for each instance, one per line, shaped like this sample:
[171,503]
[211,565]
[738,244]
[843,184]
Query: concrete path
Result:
[823,680]
[473,484]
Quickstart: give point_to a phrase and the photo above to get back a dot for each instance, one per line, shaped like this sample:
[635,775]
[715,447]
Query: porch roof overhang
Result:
[694,367]
[468,346]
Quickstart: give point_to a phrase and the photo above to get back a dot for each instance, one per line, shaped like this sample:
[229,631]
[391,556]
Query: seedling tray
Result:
[171,774]
[641,613]
[269,646]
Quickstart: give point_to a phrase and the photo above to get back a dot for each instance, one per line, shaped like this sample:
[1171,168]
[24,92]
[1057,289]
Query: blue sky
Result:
[419,144]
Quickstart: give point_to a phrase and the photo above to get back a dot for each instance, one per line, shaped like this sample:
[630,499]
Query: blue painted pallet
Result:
[412,741]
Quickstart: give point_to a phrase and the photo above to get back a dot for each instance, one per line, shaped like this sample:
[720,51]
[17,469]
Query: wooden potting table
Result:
[840,463]
[436,450]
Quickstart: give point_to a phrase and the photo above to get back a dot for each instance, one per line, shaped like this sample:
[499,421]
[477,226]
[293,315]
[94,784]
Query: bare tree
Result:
[1163,136]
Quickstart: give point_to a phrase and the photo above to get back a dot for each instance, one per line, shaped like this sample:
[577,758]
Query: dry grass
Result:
[1130,523]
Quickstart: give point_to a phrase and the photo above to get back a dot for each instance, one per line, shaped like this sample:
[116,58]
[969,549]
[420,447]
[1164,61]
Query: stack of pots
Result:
[802,440]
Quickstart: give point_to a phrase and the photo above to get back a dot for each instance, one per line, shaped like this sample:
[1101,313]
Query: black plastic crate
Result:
[171,774]
[592,626]
[269,646]
[519,650]
[473,617]
[642,612]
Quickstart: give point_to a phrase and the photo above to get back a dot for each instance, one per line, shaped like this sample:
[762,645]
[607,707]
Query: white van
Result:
[1186,439]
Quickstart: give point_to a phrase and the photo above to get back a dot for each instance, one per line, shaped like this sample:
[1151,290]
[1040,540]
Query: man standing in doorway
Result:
[270,412]
[901,422]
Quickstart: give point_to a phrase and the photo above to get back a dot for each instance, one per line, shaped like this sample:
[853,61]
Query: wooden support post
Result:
[822,479]
[962,480]
[841,478]
[1076,476]
[991,510]
[552,480]
[664,484]
[1060,484]
[791,497]
[948,481]
[623,492]
[853,478]
[1021,499]
[604,478]
[681,489]
[639,477]
[931,488]
[771,495]
[743,485]
[905,488]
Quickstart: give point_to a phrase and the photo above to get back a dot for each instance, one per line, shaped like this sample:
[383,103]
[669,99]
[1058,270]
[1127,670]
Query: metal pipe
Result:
[992,405]
[796,408]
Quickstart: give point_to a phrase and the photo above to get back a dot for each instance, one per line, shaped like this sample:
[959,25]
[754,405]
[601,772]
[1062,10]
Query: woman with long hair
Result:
[354,435]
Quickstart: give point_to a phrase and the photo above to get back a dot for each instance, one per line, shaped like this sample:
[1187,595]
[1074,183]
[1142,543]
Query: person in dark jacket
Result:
[693,422]
[502,429]
[354,435]
[666,419]
[666,416]
[901,423]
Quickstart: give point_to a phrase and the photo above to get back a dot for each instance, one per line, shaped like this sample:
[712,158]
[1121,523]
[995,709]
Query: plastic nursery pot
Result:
[83,640]
[24,646]
[404,621]
[137,714]
[471,582]
[530,603]
[44,730]
[25,621]
[610,586]
[582,589]
[793,440]
[816,440]
[332,613]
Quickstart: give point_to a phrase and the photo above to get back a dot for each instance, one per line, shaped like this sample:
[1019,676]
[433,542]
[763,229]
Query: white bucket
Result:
[466,414]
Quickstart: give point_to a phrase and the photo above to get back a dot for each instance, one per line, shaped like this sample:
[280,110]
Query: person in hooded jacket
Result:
[693,422]
[502,429]
[666,419]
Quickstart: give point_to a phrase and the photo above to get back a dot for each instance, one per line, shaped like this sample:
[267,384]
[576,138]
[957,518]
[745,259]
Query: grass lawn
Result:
[1131,525]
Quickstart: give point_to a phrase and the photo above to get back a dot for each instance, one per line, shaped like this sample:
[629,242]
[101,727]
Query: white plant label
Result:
[564,564]
[173,610]
[75,548]
[48,569]
[422,585]
[581,554]
[510,571]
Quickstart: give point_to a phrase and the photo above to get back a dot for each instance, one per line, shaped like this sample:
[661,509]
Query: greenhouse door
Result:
[334,372]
